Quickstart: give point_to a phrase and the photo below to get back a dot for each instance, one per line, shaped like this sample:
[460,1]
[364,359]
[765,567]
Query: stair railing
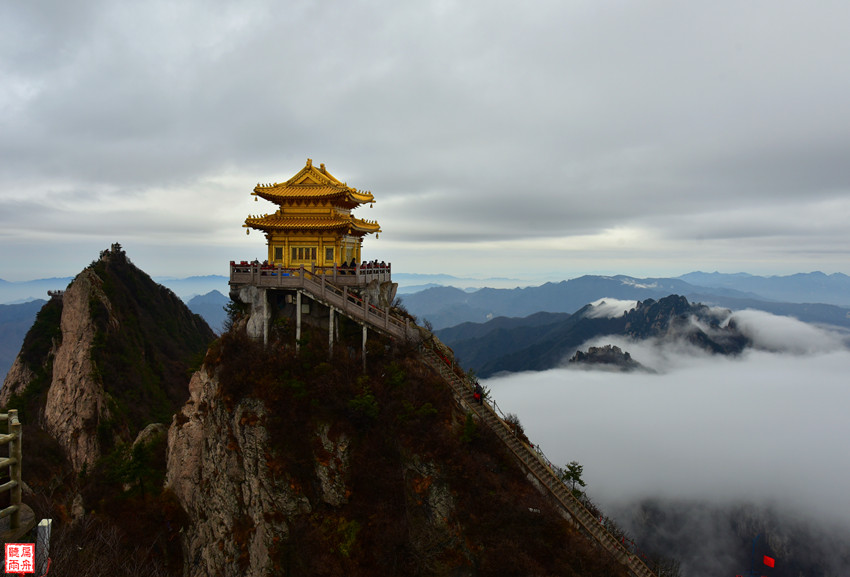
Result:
[552,482]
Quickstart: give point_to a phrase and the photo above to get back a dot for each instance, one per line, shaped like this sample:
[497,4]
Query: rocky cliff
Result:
[75,398]
[305,465]
[105,360]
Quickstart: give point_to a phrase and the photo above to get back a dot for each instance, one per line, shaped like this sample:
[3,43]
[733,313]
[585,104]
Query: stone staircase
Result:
[541,471]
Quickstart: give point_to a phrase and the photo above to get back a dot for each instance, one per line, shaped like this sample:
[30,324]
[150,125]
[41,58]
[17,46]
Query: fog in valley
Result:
[768,429]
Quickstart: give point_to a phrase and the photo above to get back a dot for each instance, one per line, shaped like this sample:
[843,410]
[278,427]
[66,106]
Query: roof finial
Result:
[309,163]
[322,167]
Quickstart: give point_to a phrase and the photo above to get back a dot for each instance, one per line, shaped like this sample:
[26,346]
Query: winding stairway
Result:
[541,471]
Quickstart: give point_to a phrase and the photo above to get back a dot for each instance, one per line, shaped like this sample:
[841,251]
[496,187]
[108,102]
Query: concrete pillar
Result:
[363,351]
[297,319]
[266,315]
[331,331]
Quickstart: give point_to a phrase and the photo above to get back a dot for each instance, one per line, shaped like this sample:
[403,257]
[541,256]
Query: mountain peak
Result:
[104,360]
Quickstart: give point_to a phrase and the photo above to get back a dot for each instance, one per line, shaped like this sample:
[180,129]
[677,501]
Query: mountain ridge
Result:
[445,306]
[550,338]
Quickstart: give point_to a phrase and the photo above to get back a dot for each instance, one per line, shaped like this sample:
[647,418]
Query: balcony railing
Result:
[263,274]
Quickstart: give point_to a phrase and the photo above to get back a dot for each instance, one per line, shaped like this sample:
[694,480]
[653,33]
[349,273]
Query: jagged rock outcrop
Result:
[76,400]
[16,380]
[254,298]
[673,317]
[380,293]
[218,467]
[105,360]
[609,356]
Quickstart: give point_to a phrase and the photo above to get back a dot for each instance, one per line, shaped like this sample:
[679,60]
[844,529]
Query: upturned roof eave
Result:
[269,223]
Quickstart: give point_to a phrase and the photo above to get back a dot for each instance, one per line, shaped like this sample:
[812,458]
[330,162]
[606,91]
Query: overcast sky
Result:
[530,140]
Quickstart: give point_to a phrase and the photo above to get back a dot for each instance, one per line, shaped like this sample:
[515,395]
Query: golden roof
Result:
[313,183]
[277,222]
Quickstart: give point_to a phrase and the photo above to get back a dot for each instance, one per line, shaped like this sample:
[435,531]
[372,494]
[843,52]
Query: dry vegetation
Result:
[397,413]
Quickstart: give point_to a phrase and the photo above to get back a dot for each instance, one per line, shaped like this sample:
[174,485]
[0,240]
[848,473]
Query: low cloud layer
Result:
[786,334]
[768,426]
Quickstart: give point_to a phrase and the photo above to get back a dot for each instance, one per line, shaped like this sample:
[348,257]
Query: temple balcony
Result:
[266,275]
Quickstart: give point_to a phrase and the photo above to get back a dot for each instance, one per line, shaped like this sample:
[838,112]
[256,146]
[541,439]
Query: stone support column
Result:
[264,296]
[331,331]
[363,351]
[297,319]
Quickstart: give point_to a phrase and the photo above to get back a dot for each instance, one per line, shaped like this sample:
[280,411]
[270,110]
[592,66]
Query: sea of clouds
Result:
[767,427]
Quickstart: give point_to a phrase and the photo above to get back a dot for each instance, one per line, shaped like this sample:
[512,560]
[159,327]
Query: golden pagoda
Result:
[313,224]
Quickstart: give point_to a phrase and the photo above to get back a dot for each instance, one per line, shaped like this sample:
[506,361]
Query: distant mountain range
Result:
[185,288]
[813,297]
[25,291]
[15,321]
[211,307]
[813,287]
[415,282]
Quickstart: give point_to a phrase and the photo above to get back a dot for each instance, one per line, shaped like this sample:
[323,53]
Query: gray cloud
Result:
[471,123]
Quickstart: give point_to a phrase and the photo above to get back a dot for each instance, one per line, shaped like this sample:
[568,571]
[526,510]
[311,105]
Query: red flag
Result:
[768,561]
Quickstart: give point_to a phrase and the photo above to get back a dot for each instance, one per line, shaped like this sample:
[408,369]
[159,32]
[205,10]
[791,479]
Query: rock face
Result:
[241,502]
[16,380]
[76,400]
[256,301]
[298,464]
[218,468]
[239,499]
[381,294]
[105,360]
